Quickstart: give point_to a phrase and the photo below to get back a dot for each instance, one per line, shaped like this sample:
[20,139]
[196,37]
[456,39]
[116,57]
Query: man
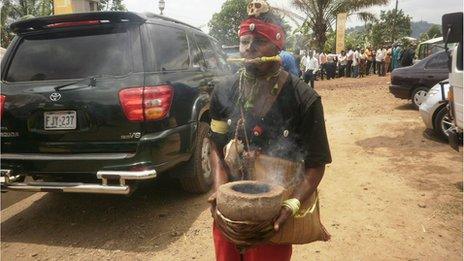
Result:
[388,59]
[323,64]
[331,65]
[379,60]
[310,66]
[369,57]
[289,63]
[407,56]
[341,64]
[295,116]
[349,62]
[355,64]
[395,56]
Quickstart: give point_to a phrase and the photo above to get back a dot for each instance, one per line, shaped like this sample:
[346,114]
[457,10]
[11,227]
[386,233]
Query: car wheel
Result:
[442,123]
[419,95]
[196,174]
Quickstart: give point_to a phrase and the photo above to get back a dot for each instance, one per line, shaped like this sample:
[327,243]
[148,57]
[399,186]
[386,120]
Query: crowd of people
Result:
[354,63]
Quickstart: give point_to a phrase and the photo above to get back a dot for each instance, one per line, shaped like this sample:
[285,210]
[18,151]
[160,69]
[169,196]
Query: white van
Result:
[452,32]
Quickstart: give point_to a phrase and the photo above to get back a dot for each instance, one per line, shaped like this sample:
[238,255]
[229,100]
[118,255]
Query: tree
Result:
[322,14]
[391,23]
[13,10]
[111,5]
[433,32]
[225,24]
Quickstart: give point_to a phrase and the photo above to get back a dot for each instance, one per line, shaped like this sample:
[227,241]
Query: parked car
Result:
[96,102]
[413,82]
[434,110]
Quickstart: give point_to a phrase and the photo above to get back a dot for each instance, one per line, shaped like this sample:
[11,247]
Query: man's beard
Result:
[260,69]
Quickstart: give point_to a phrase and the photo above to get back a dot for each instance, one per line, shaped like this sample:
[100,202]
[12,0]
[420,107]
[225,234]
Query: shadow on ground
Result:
[406,107]
[157,214]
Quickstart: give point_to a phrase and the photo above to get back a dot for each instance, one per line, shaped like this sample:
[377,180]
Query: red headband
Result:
[272,32]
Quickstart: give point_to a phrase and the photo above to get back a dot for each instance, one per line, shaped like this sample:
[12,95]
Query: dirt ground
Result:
[393,192]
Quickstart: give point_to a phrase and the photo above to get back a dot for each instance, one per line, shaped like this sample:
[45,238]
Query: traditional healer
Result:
[281,116]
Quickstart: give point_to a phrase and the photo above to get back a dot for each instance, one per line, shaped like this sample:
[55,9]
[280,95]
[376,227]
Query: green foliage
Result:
[14,10]
[322,14]
[391,27]
[111,5]
[433,32]
[225,24]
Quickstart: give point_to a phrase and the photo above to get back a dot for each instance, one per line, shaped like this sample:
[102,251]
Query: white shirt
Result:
[356,58]
[349,55]
[342,59]
[310,63]
[379,55]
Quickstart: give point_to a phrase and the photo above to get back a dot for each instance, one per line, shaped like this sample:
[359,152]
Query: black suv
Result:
[96,102]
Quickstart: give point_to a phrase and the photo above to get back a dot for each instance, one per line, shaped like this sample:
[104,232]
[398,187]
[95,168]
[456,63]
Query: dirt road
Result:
[393,192]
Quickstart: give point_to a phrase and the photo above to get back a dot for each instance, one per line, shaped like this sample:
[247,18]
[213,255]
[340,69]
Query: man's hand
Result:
[284,214]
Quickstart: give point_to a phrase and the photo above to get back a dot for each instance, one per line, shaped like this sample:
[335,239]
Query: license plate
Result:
[60,120]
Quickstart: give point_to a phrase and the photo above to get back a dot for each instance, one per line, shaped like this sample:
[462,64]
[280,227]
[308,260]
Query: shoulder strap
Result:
[262,110]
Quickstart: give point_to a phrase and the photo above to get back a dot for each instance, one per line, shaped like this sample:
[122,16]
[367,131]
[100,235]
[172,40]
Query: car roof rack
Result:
[40,23]
[152,15]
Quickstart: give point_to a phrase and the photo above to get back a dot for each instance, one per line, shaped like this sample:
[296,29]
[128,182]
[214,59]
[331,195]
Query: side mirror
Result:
[452,27]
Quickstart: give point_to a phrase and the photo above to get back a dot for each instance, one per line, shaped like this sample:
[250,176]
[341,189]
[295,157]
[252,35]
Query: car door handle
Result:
[430,76]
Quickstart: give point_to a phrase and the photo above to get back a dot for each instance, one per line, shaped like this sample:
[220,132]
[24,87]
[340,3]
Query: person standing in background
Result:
[310,65]
[407,56]
[388,58]
[362,63]
[298,61]
[368,55]
[396,57]
[323,64]
[355,64]
[349,61]
[341,64]
[379,59]
[383,64]
[288,62]
[331,65]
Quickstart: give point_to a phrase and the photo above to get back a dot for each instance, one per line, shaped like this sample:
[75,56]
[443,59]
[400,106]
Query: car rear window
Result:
[71,55]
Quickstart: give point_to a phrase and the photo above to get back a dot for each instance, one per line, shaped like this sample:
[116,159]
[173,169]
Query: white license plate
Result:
[60,120]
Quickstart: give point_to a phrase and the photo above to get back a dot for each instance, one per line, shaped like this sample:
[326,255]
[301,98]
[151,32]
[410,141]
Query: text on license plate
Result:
[60,120]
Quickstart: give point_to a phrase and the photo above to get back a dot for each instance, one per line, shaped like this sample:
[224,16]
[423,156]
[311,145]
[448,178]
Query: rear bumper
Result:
[159,151]
[111,182]
[400,91]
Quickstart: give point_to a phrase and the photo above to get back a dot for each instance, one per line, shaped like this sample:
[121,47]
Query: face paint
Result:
[253,46]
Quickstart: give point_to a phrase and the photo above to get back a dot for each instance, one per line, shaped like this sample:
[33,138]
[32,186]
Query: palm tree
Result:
[322,14]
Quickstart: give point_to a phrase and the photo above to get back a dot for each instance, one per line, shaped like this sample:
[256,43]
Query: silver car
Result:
[434,111]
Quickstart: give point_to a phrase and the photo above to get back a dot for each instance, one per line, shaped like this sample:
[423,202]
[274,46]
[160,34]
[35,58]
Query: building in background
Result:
[74,6]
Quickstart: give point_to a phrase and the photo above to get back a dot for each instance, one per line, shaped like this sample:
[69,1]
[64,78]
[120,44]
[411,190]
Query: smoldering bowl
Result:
[249,200]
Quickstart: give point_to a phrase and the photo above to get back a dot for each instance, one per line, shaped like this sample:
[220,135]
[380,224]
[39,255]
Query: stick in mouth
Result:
[264,59]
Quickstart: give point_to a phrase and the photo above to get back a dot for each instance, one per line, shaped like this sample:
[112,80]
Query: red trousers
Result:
[227,251]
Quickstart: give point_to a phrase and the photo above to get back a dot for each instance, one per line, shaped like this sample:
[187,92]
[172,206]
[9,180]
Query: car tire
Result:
[418,96]
[442,122]
[196,175]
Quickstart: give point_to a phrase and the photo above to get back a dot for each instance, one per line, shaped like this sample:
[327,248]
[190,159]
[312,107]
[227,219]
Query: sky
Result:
[199,12]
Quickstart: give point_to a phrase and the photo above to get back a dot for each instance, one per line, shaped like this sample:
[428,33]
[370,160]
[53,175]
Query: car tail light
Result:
[450,95]
[146,103]
[2,105]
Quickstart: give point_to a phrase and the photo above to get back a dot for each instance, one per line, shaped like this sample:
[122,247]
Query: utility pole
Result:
[394,22]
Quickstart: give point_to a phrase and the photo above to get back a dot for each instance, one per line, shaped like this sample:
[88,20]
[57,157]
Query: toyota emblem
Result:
[55,96]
